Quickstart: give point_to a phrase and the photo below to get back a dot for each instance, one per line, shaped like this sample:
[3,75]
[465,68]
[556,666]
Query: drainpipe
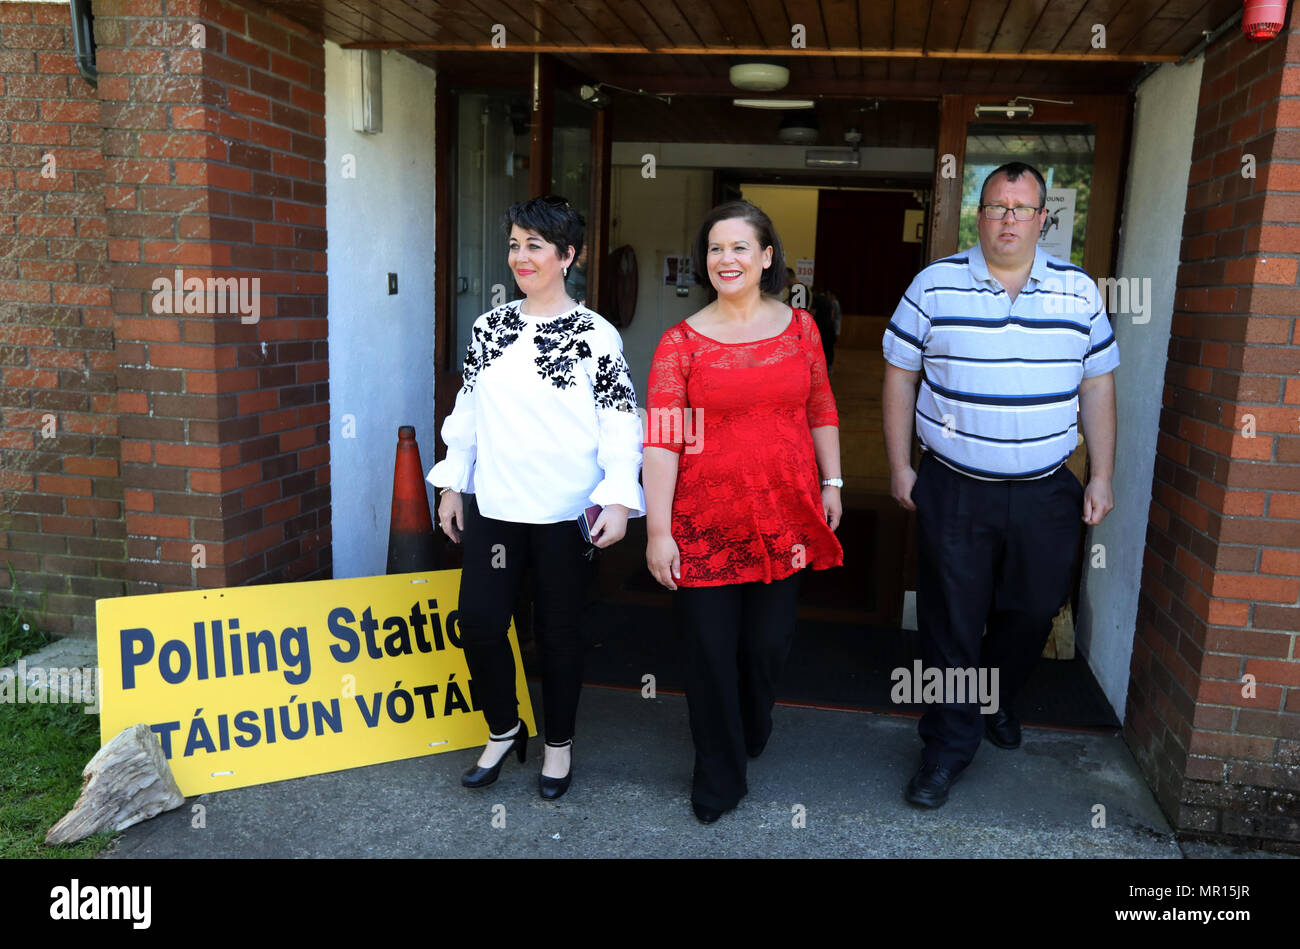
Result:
[83,37]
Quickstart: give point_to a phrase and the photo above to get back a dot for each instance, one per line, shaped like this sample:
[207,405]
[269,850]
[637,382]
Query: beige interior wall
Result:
[658,216]
[793,210]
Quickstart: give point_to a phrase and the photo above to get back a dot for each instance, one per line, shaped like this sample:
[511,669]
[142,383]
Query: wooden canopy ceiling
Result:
[1135,28]
[907,48]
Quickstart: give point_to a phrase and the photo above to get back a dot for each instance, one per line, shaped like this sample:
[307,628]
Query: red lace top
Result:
[747,504]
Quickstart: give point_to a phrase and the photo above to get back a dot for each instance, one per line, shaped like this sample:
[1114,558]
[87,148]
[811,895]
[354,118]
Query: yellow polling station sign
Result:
[245,685]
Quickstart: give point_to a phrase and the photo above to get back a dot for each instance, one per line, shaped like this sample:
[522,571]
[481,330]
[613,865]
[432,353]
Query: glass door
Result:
[571,171]
[1079,148]
[1062,153]
[491,174]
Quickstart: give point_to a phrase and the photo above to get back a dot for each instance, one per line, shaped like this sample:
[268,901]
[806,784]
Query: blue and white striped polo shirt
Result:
[999,397]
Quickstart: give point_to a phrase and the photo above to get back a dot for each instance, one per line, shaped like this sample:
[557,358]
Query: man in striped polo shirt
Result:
[1012,350]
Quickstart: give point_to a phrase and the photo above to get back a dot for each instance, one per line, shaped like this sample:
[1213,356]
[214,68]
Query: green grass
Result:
[43,748]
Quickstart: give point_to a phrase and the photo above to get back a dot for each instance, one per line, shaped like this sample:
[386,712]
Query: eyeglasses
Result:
[996,212]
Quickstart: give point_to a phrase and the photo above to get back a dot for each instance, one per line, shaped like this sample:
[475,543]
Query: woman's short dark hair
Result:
[553,217]
[773,280]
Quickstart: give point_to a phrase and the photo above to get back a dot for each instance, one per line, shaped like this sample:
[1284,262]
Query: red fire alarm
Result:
[1262,19]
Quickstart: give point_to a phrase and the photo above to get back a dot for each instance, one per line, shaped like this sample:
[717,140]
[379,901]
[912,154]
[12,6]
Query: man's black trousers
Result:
[989,553]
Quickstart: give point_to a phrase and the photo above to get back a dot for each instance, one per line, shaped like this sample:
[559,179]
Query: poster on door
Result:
[1057,233]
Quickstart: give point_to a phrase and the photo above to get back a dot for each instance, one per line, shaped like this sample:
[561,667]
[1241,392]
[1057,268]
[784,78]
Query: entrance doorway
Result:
[864,236]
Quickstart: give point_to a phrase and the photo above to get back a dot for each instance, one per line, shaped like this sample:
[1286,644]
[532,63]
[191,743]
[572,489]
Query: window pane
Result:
[571,171]
[491,174]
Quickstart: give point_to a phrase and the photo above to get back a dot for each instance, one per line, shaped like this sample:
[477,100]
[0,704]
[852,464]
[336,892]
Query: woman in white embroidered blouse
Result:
[545,426]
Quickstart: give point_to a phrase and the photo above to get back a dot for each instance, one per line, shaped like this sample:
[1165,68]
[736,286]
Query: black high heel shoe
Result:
[477,777]
[551,788]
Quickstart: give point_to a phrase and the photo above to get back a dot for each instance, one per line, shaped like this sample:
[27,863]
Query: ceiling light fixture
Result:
[759,75]
[773,103]
[832,158]
[799,129]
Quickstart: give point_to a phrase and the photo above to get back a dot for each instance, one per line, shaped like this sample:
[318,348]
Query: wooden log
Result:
[127,781]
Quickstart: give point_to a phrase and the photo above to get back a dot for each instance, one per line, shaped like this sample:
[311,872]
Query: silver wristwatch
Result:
[833,482]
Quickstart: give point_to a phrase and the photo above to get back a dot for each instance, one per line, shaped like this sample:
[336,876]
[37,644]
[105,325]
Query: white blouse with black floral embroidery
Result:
[546,423]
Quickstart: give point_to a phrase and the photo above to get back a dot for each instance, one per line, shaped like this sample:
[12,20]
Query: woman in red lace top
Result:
[740,421]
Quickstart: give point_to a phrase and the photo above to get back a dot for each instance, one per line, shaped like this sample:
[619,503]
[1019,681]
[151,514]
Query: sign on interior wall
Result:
[245,685]
[677,271]
[803,271]
[913,225]
[1057,233]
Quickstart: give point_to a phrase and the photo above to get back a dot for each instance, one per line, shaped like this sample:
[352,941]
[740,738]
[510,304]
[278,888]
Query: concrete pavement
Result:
[842,771]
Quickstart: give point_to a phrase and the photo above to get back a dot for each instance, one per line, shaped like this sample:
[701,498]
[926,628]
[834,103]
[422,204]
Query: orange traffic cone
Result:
[410,528]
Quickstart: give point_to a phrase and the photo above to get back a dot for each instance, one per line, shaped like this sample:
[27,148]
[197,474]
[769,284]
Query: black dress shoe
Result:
[706,815]
[1003,729]
[929,786]
[477,777]
[551,788]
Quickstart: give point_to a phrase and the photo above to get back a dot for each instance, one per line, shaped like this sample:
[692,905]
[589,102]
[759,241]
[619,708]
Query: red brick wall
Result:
[214,164]
[61,528]
[191,448]
[1221,580]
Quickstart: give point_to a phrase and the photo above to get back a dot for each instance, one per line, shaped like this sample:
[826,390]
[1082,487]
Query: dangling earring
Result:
[566,271]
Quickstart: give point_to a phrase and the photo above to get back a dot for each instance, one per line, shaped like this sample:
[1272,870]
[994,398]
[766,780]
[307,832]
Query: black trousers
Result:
[995,553]
[737,638]
[496,555]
